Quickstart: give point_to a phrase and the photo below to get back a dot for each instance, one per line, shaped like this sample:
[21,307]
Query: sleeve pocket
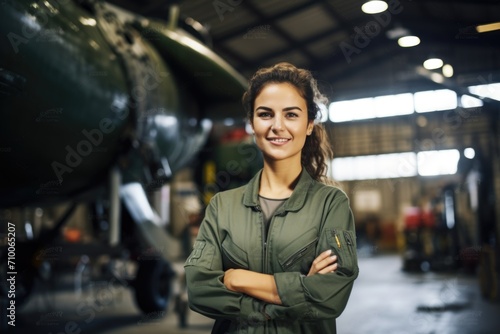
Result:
[342,244]
[202,255]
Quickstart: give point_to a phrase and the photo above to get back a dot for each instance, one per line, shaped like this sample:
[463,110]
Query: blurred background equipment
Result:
[94,125]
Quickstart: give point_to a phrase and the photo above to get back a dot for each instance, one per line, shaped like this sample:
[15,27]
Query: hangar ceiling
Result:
[351,53]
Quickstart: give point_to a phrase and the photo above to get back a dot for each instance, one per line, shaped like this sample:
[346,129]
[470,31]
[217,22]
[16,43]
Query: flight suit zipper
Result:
[343,247]
[348,238]
[264,248]
[264,239]
[299,254]
[269,229]
[337,247]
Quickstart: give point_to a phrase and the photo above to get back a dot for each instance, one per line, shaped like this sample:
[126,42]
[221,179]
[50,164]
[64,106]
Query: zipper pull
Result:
[337,239]
[348,238]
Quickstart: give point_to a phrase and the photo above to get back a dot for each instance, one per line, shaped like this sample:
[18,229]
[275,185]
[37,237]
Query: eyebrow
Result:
[284,109]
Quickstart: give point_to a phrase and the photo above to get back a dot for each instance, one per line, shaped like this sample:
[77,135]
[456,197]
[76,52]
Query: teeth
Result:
[280,140]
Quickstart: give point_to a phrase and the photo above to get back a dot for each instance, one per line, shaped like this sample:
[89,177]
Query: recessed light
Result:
[374,7]
[447,70]
[408,41]
[433,63]
[469,153]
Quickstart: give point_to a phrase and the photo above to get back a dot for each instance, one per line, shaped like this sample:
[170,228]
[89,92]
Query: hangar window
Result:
[349,110]
[395,165]
[433,100]
[490,90]
[407,103]
[371,107]
[467,101]
[432,163]
[382,166]
[393,105]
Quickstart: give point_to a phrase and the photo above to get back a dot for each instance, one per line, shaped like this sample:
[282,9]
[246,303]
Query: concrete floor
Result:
[387,300]
[384,300]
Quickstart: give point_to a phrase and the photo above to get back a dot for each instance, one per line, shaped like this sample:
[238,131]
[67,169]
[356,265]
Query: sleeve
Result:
[322,296]
[207,293]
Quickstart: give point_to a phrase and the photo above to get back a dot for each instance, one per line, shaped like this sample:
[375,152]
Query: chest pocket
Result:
[298,255]
[342,245]
[233,257]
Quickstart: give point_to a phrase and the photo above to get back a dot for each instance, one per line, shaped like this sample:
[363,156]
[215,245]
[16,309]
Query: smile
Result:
[278,140]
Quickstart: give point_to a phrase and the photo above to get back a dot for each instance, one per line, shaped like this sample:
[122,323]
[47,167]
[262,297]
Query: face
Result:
[280,122]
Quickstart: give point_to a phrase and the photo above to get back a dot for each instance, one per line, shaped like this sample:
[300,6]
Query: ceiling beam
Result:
[269,20]
[279,31]
[241,64]
[297,45]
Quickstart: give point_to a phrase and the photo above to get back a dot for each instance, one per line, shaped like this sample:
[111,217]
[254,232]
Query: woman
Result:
[279,254]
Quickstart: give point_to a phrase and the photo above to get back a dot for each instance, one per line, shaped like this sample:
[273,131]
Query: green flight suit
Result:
[315,218]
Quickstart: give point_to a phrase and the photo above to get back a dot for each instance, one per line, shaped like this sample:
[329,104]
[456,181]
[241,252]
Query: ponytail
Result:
[316,153]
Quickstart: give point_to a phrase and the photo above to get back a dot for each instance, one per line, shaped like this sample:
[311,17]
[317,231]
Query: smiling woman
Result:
[277,255]
[281,125]
[284,83]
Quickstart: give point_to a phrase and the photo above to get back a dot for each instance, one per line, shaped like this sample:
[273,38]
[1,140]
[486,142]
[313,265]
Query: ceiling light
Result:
[488,27]
[433,63]
[447,70]
[374,7]
[469,153]
[408,41]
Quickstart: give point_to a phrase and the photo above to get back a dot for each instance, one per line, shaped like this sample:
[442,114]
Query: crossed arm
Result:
[263,286]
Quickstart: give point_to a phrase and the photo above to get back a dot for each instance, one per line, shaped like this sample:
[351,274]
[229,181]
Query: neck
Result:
[278,179]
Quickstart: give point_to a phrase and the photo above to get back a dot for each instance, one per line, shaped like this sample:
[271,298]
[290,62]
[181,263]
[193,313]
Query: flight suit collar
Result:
[294,203]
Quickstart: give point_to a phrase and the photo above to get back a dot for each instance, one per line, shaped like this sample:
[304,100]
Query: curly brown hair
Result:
[317,149]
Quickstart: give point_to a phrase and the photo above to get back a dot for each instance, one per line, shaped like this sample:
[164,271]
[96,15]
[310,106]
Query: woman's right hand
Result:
[325,263]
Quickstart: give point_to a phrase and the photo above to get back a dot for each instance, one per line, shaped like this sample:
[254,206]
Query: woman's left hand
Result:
[325,263]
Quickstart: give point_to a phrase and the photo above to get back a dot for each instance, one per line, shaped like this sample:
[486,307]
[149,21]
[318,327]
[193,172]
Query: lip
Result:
[278,141]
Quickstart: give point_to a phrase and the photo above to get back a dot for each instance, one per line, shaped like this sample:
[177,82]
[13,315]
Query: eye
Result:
[264,114]
[292,115]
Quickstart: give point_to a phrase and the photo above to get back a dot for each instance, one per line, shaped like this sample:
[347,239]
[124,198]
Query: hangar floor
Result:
[384,300]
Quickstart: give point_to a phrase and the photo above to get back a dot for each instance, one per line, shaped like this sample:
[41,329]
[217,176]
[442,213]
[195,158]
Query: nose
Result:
[278,123]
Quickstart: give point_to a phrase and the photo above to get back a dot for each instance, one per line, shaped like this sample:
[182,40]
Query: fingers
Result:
[322,257]
[324,263]
[329,269]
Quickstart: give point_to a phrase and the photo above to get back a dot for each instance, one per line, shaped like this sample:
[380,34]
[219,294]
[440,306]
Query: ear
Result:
[310,127]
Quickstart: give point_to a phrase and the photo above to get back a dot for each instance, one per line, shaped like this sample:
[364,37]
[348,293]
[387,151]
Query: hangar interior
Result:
[416,149]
